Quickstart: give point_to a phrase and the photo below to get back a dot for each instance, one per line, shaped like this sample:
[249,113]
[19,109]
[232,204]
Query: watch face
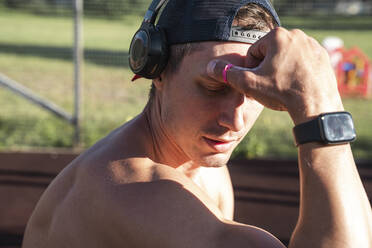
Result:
[338,127]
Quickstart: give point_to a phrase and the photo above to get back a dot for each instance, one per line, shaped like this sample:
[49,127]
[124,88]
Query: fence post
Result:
[78,60]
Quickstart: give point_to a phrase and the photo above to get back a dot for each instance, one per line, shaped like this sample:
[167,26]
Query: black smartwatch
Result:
[327,128]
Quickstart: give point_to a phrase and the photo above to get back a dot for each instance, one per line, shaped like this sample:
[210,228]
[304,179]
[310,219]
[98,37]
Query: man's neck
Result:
[164,149]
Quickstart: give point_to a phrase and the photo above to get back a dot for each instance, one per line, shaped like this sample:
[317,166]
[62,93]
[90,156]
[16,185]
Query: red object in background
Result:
[135,77]
[354,73]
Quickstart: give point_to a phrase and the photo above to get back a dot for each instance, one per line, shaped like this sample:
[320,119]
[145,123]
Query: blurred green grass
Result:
[36,51]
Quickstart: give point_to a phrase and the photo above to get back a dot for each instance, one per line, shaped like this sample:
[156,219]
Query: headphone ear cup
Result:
[138,51]
[148,52]
[160,45]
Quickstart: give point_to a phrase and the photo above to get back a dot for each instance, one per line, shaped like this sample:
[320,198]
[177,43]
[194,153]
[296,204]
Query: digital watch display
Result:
[327,128]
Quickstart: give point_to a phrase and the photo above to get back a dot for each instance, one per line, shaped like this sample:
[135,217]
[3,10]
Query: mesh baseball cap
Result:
[207,20]
[185,21]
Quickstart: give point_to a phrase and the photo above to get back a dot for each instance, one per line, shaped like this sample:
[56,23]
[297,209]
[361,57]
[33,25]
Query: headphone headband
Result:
[153,11]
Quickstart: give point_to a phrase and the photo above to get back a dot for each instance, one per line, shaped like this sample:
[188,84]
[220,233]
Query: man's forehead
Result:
[233,52]
[218,48]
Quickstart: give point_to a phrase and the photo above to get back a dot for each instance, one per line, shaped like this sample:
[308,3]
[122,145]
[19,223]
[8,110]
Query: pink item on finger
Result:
[224,72]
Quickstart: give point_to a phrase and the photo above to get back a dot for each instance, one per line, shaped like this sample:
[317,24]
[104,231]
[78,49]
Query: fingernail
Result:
[210,67]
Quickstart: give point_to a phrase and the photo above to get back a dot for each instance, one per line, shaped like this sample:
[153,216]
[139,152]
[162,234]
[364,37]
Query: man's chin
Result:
[215,160]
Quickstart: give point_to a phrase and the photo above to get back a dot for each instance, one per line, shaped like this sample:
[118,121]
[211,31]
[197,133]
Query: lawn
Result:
[36,51]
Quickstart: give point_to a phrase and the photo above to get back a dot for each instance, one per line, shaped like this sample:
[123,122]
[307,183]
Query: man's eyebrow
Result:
[205,77]
[210,83]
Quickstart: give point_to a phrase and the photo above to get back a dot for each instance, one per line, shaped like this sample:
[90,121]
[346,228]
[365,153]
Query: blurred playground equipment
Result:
[352,67]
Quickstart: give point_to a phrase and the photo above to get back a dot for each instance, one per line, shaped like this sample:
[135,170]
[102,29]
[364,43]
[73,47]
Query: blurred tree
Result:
[15,3]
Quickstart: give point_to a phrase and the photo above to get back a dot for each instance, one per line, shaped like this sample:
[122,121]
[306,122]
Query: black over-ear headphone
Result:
[148,52]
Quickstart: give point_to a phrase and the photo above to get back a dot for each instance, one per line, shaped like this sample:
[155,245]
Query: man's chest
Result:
[217,186]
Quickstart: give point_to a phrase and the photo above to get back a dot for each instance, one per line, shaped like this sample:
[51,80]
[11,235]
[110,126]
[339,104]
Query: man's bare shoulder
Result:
[142,204]
[137,202]
[142,175]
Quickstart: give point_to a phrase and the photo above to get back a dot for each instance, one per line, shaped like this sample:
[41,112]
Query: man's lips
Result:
[220,145]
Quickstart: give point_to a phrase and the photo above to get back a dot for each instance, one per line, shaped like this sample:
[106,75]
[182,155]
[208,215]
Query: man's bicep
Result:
[165,213]
[240,235]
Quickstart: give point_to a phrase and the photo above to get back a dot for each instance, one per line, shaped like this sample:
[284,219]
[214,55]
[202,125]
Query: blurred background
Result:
[37,52]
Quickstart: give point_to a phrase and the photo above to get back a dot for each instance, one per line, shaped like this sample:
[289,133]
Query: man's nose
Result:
[232,113]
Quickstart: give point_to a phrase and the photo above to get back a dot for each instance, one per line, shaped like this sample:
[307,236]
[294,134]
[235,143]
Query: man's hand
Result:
[286,70]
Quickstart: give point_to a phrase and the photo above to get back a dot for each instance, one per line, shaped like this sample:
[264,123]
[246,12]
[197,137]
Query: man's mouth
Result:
[220,145]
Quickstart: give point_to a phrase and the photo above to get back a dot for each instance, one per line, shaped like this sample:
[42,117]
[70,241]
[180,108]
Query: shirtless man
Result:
[160,180]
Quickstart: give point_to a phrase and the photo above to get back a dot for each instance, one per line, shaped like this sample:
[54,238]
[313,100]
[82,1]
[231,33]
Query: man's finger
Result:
[243,79]
[258,51]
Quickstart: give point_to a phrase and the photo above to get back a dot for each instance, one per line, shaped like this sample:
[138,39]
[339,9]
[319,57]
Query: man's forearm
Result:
[334,208]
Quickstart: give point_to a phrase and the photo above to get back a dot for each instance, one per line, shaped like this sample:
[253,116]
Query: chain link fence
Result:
[109,8]
[319,7]
[117,8]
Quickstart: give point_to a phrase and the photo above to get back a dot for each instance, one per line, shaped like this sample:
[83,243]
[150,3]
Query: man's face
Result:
[206,119]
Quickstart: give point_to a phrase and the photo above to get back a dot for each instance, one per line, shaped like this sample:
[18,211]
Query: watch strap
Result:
[307,132]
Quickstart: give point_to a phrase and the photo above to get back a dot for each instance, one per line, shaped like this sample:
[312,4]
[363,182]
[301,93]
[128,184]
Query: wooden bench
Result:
[266,192]
[23,178]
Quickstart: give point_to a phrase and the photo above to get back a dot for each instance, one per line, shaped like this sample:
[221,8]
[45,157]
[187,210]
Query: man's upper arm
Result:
[166,213]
